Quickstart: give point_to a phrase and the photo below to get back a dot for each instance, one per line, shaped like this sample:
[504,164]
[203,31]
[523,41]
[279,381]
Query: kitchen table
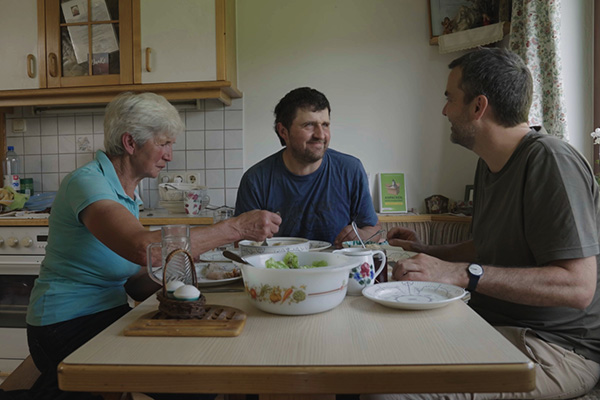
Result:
[358,347]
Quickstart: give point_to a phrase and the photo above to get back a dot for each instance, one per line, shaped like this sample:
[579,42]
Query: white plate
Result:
[217,256]
[413,295]
[203,282]
[317,245]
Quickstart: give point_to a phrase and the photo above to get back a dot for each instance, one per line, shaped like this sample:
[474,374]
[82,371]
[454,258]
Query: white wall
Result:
[372,59]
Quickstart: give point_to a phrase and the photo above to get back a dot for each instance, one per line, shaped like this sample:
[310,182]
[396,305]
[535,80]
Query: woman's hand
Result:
[256,225]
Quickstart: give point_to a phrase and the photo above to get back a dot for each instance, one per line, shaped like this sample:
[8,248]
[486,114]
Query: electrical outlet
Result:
[164,177]
[192,177]
[19,125]
[178,177]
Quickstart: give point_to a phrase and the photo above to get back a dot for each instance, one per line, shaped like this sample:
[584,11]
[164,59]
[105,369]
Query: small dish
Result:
[203,282]
[414,295]
[318,245]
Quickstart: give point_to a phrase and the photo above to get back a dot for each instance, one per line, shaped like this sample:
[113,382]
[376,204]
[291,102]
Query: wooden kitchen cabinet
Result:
[19,60]
[186,49]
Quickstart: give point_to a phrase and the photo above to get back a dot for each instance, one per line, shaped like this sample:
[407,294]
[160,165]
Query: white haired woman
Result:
[96,244]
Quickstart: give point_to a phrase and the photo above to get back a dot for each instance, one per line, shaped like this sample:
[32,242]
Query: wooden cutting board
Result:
[218,321]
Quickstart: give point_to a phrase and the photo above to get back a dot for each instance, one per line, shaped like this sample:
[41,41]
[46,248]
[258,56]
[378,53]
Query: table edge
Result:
[514,377]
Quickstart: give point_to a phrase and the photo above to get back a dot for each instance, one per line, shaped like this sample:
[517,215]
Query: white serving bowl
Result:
[275,245]
[176,191]
[297,291]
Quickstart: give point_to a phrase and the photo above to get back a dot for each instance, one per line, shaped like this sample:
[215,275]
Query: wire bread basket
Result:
[181,309]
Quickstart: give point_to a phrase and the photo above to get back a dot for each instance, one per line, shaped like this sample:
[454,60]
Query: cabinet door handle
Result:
[53,65]
[148,52]
[30,65]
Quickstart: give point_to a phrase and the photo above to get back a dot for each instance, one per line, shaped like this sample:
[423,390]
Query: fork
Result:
[357,235]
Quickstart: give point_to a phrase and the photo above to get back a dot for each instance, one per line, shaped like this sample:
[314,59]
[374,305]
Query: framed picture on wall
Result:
[392,192]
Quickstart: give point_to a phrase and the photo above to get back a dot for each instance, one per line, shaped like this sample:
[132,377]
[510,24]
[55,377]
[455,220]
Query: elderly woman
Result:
[96,243]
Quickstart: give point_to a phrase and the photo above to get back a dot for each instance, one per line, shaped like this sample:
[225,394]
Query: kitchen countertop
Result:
[159,217]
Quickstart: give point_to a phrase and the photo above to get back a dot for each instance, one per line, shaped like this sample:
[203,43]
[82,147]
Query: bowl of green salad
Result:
[296,283]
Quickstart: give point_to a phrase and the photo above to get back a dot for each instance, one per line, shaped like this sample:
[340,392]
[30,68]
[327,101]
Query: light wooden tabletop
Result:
[358,347]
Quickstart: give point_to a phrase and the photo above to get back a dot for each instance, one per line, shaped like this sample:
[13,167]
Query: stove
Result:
[22,249]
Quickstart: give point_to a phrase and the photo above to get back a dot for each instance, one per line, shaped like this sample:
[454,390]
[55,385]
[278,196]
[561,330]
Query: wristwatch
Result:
[474,271]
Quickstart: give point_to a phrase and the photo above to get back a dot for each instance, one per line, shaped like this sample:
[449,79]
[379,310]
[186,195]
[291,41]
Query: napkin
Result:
[470,38]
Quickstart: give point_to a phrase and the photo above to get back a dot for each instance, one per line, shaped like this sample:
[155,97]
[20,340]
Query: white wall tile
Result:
[98,122]
[49,126]
[98,142]
[66,163]
[53,146]
[32,145]
[194,140]
[234,139]
[83,158]
[233,177]
[194,159]
[33,164]
[66,125]
[215,178]
[178,161]
[84,124]
[50,182]
[49,144]
[214,159]
[50,163]
[33,127]
[214,140]
[194,120]
[234,158]
[217,197]
[84,143]
[233,119]
[66,144]
[214,120]
[230,197]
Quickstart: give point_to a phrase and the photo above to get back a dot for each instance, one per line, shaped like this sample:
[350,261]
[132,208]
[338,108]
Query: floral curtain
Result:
[535,35]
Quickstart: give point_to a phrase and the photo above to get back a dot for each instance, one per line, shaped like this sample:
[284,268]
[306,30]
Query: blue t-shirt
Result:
[315,206]
[80,275]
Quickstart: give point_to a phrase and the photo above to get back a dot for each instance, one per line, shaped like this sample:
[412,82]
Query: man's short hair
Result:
[501,76]
[304,98]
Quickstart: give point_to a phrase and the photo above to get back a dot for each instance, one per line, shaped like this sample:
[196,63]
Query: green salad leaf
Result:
[290,261]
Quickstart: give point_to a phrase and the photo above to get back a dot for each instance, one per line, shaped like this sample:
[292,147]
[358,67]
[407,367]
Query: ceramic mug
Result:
[364,274]
[192,201]
[173,237]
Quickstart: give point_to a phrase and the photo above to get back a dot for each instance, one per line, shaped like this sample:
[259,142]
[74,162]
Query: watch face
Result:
[475,269]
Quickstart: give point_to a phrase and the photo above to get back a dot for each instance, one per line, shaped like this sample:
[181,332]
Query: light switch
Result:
[19,125]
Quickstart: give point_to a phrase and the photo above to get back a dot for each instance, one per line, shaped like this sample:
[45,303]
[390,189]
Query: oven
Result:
[22,250]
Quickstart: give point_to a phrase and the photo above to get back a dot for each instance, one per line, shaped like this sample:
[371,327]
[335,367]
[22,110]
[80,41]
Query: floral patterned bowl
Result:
[297,291]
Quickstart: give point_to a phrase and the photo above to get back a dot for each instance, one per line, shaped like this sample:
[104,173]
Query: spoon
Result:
[357,235]
[234,257]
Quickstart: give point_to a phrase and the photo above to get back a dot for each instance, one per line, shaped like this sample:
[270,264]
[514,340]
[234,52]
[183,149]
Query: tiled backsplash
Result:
[56,143]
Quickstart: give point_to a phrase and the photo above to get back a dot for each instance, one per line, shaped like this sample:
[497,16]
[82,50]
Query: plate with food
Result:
[215,274]
[318,245]
[414,295]
[217,256]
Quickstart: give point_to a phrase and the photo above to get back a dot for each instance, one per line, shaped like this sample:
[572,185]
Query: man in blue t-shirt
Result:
[317,191]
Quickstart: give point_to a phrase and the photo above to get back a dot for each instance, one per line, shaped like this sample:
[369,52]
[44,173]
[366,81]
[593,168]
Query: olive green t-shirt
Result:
[542,206]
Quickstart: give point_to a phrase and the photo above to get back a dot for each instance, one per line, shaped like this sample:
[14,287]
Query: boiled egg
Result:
[187,293]
[172,286]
